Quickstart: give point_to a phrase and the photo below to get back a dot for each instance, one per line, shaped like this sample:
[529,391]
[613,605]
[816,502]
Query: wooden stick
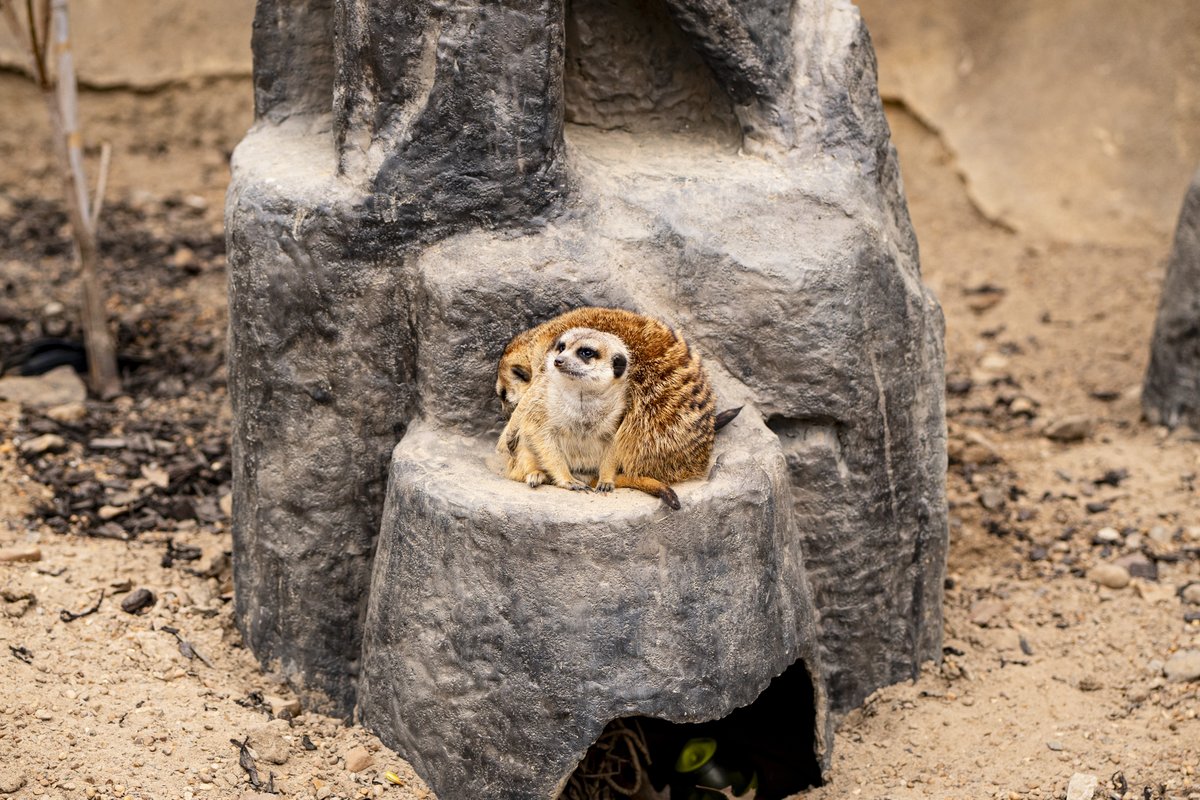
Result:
[102,362]
[101,184]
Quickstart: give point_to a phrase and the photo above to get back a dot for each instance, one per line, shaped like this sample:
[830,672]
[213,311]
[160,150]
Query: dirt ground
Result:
[1046,673]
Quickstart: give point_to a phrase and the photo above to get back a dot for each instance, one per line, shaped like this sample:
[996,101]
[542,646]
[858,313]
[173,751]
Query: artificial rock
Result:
[409,199]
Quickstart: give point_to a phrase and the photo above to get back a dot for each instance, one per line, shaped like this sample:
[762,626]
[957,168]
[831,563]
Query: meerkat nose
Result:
[558,362]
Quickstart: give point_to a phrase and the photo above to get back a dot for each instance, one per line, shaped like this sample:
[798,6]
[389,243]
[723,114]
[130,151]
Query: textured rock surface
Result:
[375,279]
[507,626]
[1171,394]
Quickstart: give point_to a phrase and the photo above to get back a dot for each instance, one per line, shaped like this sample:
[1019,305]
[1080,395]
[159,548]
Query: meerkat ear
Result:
[521,374]
[619,365]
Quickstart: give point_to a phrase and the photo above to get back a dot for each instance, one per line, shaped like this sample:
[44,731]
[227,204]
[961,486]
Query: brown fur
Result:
[669,425]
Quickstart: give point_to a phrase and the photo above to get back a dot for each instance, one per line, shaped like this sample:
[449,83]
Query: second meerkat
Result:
[667,432]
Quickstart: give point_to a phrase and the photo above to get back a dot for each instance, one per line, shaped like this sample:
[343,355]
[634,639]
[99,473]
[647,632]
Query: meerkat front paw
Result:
[604,486]
[576,485]
[535,479]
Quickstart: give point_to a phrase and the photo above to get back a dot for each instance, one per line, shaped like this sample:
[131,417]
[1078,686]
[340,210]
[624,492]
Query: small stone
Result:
[138,601]
[226,504]
[9,555]
[11,781]
[973,449]
[268,742]
[1191,594]
[1055,745]
[994,362]
[1022,407]
[1069,429]
[280,706]
[1110,575]
[1108,536]
[46,443]
[992,498]
[43,715]
[987,613]
[1138,566]
[57,387]
[67,412]
[1183,666]
[1082,786]
[183,257]
[1159,534]
[111,512]
[358,759]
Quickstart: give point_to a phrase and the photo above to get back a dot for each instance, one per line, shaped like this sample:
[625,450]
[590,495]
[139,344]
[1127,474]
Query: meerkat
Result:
[570,414]
[524,354]
[669,421]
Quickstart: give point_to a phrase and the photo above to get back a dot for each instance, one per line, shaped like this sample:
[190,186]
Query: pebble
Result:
[9,555]
[358,759]
[1138,566]
[1055,745]
[268,742]
[1022,406]
[1191,594]
[1069,429]
[138,601]
[1160,534]
[1082,786]
[57,387]
[1183,666]
[46,443]
[43,715]
[992,498]
[67,412]
[1108,536]
[1110,575]
[11,782]
[279,705]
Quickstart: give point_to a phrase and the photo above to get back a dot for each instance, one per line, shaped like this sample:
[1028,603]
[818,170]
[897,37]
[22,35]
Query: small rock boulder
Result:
[358,759]
[1183,666]
[1111,575]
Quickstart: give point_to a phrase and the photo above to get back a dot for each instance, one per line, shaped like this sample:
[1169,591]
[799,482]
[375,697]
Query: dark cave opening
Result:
[772,741]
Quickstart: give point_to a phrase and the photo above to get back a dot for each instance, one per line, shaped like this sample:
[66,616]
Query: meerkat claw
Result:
[535,479]
[577,485]
[604,487]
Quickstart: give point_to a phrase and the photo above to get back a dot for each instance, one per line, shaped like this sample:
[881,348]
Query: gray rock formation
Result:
[737,181]
[1171,394]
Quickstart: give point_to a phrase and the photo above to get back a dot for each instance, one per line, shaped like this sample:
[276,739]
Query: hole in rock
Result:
[768,746]
[629,67]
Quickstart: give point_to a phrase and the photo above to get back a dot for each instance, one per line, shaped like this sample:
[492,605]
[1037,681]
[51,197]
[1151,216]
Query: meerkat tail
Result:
[725,417]
[649,486]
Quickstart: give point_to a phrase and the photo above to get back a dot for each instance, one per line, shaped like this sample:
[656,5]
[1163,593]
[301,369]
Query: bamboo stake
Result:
[62,102]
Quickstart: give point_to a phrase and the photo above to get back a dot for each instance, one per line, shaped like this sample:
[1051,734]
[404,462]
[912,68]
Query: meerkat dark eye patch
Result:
[560,346]
[521,374]
[587,353]
[619,365]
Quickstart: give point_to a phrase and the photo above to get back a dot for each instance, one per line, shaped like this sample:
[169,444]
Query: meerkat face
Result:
[588,356]
[513,377]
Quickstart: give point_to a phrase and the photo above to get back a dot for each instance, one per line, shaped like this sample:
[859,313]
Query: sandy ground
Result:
[1046,673]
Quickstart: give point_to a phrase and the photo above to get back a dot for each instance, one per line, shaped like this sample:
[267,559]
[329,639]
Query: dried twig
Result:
[69,616]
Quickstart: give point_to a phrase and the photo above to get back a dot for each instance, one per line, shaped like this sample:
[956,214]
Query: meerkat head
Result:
[514,374]
[589,357]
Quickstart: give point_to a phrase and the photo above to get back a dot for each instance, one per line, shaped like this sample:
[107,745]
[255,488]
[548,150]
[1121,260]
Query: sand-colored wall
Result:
[1077,119]
[146,43]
